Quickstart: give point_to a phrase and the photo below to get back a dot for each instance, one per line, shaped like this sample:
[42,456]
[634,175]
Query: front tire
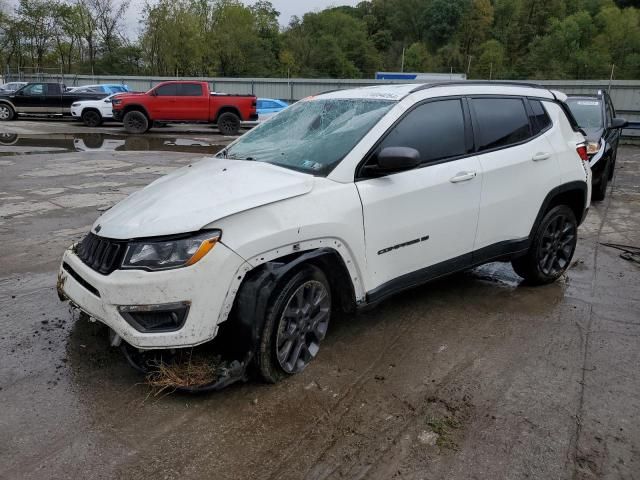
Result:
[91,118]
[296,322]
[135,122]
[229,124]
[6,112]
[552,248]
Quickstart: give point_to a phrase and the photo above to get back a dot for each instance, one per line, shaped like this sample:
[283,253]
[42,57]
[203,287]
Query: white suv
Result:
[339,201]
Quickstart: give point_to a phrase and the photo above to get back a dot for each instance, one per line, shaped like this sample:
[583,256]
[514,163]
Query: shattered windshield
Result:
[311,136]
[588,113]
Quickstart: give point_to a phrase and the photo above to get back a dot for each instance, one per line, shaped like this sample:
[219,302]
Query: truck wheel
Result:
[135,122]
[228,123]
[296,322]
[92,118]
[6,112]
[552,248]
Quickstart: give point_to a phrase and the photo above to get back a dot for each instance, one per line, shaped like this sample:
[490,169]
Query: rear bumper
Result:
[253,118]
[203,286]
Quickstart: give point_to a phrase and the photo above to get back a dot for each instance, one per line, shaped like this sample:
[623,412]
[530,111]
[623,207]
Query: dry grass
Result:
[191,371]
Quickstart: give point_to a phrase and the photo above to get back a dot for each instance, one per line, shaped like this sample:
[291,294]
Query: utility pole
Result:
[469,65]
[490,70]
[613,66]
[402,64]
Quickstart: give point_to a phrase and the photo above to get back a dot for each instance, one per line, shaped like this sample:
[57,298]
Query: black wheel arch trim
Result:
[137,107]
[560,189]
[259,286]
[228,109]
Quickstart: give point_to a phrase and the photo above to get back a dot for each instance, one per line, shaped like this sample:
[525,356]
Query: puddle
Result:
[12,144]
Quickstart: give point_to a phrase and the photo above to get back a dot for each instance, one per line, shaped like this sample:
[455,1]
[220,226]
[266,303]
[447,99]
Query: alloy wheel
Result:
[5,113]
[556,246]
[303,325]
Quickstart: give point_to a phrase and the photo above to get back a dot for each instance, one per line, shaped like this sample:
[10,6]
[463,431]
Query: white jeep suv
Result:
[340,201]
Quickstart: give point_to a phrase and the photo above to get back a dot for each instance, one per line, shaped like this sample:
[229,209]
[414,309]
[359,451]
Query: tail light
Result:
[582,151]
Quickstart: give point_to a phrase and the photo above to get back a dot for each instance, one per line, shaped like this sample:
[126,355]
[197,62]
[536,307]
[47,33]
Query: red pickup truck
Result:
[184,102]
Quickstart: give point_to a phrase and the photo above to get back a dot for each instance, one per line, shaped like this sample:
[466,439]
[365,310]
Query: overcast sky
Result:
[287,9]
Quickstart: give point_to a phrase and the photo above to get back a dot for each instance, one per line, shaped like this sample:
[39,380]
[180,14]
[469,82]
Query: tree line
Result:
[558,39]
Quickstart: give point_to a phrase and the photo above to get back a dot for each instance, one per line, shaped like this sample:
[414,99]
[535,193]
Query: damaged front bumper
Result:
[186,303]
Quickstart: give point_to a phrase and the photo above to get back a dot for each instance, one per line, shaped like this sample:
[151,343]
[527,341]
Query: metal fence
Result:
[624,93]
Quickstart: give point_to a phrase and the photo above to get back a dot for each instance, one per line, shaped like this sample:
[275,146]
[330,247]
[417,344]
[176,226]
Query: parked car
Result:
[108,88]
[185,102]
[41,99]
[11,86]
[268,107]
[596,115]
[93,112]
[340,201]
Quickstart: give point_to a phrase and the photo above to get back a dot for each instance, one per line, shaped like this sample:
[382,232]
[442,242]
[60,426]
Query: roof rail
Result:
[447,83]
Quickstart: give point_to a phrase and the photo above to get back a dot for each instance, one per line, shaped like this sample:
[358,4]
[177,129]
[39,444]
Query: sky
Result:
[287,9]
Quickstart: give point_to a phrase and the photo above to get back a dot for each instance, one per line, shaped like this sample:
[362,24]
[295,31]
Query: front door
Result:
[421,223]
[31,99]
[167,104]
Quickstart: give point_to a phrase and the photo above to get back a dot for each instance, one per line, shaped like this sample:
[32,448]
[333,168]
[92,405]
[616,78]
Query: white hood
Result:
[194,196]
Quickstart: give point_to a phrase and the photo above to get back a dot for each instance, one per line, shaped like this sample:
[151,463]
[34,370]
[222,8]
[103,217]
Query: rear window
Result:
[190,90]
[587,112]
[501,121]
[540,118]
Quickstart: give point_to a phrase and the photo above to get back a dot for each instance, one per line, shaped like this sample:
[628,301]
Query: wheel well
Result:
[228,109]
[246,320]
[8,104]
[574,199]
[91,109]
[138,108]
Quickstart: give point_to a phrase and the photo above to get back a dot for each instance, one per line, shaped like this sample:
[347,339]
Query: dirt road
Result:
[472,377]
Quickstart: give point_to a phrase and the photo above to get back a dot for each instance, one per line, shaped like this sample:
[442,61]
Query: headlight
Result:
[593,148]
[77,104]
[115,101]
[165,255]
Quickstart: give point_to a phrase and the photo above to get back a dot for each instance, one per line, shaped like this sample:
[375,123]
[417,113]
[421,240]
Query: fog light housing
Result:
[165,317]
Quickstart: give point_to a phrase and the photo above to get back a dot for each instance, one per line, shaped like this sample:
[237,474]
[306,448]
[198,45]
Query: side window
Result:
[34,89]
[260,104]
[501,121]
[435,129]
[190,90]
[540,118]
[169,90]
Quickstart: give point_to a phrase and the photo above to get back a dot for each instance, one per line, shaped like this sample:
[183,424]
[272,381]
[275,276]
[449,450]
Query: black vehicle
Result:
[41,99]
[596,115]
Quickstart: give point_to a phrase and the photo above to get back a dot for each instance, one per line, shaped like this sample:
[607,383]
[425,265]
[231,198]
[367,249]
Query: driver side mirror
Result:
[397,159]
[619,123]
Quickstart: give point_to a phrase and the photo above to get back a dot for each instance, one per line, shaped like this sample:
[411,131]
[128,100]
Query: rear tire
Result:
[552,248]
[229,124]
[135,122]
[6,112]
[296,322]
[92,118]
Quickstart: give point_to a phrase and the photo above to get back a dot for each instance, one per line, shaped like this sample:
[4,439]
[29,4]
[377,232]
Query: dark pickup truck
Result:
[41,99]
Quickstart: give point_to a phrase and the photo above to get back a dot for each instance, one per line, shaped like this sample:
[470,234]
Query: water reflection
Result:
[16,144]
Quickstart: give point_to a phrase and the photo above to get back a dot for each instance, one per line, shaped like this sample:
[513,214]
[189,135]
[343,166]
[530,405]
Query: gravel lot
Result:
[470,377]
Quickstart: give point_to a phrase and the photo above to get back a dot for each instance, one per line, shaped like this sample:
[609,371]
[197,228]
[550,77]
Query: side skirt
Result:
[496,252]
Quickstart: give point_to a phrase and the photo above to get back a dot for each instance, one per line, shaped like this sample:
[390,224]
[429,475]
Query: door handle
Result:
[463,177]
[541,156]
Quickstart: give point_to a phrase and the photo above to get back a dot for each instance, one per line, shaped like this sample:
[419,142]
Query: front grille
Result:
[101,254]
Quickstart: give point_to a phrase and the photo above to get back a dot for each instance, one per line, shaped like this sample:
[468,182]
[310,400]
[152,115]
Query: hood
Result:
[194,196]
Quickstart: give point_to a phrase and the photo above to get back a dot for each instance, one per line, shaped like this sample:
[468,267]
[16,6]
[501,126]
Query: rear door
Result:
[418,220]
[53,99]
[519,168]
[166,105]
[193,103]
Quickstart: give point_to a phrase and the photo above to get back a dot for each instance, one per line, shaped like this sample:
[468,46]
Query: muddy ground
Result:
[471,377]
